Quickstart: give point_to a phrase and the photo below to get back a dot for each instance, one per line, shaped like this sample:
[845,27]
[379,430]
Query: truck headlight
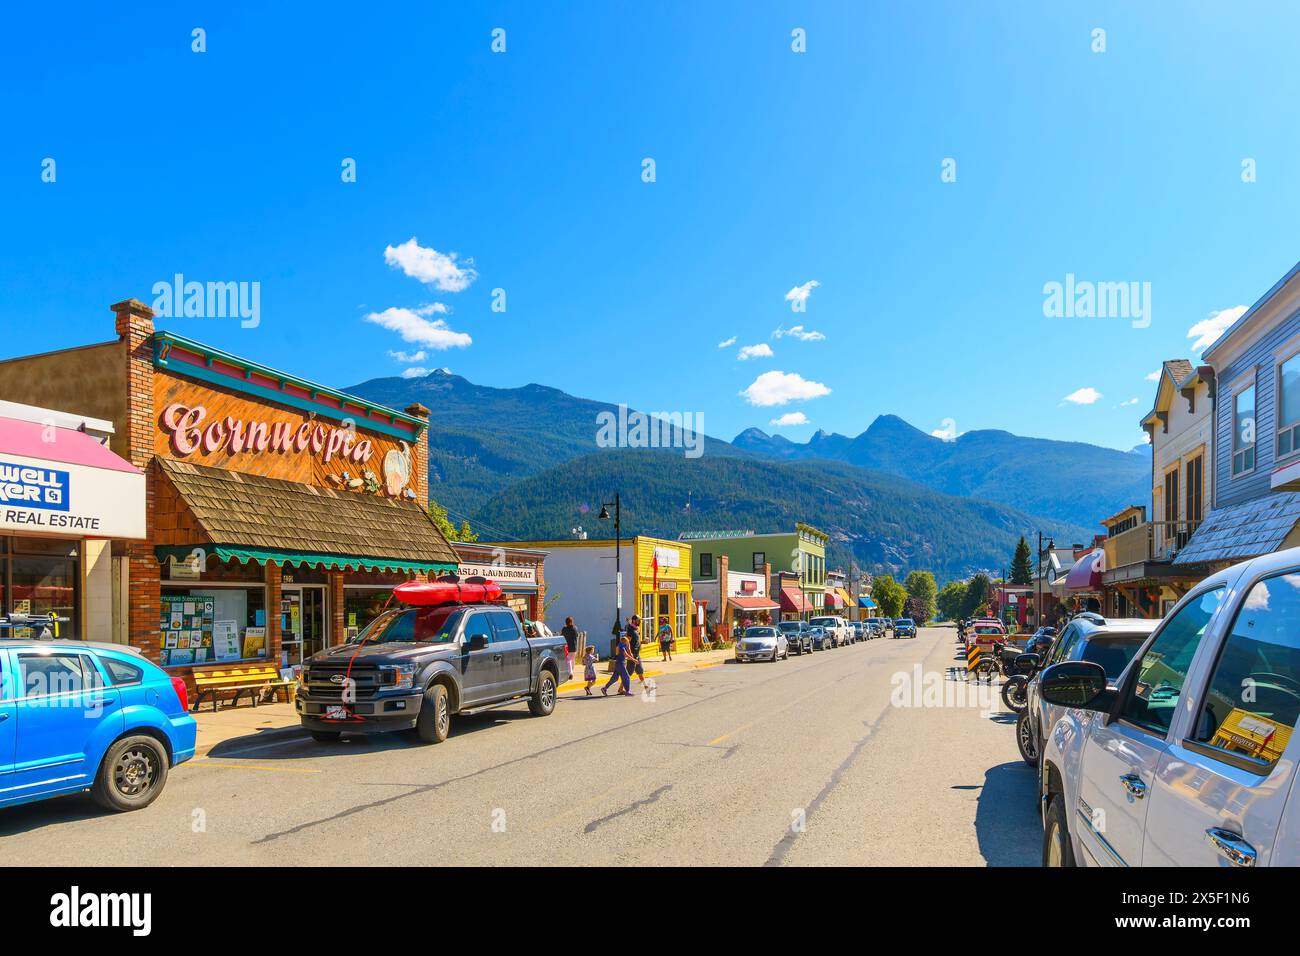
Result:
[397,676]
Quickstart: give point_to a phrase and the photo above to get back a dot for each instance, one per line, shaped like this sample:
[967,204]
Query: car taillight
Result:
[182,693]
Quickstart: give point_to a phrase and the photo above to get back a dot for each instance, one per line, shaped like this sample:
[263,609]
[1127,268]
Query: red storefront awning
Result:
[793,601]
[753,603]
[1086,573]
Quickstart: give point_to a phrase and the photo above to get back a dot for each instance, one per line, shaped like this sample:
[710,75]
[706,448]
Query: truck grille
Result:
[325,681]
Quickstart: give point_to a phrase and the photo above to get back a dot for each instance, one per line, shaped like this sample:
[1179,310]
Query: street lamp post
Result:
[1038,588]
[618,557]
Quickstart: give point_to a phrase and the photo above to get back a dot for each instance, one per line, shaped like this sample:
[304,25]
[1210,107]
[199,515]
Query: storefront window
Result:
[361,606]
[206,625]
[41,577]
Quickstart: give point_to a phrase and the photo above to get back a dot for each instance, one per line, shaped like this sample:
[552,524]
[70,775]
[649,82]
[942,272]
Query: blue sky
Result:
[773,168]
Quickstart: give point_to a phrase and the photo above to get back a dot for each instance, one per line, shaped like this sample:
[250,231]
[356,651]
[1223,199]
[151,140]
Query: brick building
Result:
[279,512]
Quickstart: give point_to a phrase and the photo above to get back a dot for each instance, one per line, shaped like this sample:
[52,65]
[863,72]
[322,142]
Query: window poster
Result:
[187,628]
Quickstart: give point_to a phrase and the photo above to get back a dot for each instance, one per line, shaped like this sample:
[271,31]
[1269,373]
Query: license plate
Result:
[336,713]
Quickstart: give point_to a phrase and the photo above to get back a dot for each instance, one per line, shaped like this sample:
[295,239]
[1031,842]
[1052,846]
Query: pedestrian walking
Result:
[589,667]
[633,635]
[570,634]
[622,652]
[665,640]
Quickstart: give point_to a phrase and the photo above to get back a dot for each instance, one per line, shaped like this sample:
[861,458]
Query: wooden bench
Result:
[256,679]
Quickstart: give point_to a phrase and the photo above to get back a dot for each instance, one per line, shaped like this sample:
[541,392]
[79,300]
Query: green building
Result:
[796,562]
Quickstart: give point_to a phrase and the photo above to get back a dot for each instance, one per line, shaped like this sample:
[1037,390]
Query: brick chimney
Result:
[135,330]
[420,455]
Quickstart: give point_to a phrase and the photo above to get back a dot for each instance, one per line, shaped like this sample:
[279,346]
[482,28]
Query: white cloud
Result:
[781,388]
[438,269]
[1131,401]
[406,358]
[1083,396]
[415,373]
[800,293]
[790,419]
[413,325]
[761,350]
[1153,376]
[1207,331]
[800,333]
[727,343]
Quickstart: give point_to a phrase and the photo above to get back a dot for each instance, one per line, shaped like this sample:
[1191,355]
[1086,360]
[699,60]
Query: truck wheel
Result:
[434,722]
[542,704]
[131,775]
[1057,850]
[326,736]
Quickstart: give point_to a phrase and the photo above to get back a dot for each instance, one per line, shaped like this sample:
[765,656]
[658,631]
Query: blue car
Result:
[78,716]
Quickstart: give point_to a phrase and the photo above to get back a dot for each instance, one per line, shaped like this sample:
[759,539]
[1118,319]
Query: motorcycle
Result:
[1015,690]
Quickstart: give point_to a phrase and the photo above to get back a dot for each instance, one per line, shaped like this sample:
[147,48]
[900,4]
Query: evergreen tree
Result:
[921,587]
[1022,567]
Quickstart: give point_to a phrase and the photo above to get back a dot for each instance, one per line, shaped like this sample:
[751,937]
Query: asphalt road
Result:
[810,761]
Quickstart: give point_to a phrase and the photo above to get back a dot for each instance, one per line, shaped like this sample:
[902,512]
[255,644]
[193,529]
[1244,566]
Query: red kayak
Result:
[432,593]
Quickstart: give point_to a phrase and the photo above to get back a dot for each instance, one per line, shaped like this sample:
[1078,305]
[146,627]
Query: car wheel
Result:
[131,775]
[326,736]
[434,723]
[542,704]
[1025,741]
[1057,850]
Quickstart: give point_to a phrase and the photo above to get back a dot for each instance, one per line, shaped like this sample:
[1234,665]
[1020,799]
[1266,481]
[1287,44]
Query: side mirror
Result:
[1026,661]
[477,642]
[1072,684]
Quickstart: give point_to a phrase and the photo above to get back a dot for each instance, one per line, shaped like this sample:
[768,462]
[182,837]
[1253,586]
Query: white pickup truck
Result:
[1188,759]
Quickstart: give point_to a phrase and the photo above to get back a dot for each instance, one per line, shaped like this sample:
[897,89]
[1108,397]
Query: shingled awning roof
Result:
[1243,531]
[249,517]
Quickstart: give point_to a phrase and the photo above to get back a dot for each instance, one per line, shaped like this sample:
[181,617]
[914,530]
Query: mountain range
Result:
[524,463]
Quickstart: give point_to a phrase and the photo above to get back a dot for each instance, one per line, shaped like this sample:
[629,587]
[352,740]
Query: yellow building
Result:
[582,578]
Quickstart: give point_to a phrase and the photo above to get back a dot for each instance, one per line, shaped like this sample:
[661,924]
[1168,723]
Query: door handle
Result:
[1232,846]
[3,718]
[102,702]
[1134,785]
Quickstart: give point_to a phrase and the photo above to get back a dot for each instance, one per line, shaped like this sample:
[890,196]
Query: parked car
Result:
[439,653]
[798,636]
[822,639]
[79,716]
[904,627]
[1111,644]
[835,626]
[762,643]
[1189,758]
[878,626]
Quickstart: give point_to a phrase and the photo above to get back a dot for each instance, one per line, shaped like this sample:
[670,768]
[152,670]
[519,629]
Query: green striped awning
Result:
[330,562]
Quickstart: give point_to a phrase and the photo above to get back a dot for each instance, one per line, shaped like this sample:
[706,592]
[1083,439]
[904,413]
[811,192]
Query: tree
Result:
[889,595]
[978,591]
[952,600]
[438,514]
[1022,568]
[921,587]
[919,610]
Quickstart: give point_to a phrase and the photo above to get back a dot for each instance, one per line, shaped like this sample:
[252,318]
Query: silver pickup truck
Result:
[414,667]
[1189,758]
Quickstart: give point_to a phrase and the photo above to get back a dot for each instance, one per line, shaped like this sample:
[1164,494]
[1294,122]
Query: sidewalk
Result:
[274,722]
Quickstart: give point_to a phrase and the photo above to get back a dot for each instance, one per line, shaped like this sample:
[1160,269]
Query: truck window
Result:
[412,625]
[1253,700]
[504,627]
[1163,667]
